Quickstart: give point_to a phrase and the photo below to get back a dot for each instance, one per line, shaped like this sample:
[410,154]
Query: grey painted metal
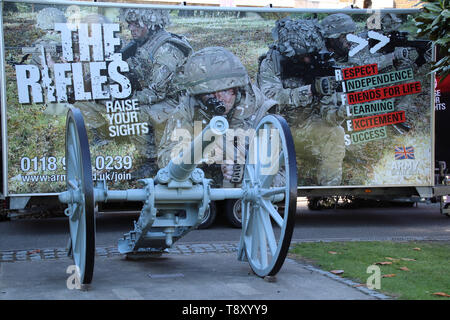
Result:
[173,206]
[174,203]
[176,200]
[162,194]
[267,231]
[181,168]
[79,196]
[18,202]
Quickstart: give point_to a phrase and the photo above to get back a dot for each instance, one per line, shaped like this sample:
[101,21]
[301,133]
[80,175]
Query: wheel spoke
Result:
[258,157]
[270,173]
[253,228]
[74,143]
[252,170]
[79,182]
[74,226]
[75,212]
[272,191]
[262,240]
[268,206]
[249,217]
[79,249]
[73,166]
[245,215]
[73,184]
[267,225]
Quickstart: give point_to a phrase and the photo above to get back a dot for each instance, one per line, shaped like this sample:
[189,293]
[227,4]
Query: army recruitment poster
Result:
[354,87]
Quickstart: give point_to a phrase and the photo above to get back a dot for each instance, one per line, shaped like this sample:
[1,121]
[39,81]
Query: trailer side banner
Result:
[353,85]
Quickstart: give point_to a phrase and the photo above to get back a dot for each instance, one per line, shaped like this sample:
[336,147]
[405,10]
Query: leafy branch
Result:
[433,21]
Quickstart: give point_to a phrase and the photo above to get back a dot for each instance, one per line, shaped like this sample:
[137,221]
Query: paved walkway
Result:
[188,272]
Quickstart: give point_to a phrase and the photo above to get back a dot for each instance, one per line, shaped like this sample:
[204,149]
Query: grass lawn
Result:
[409,270]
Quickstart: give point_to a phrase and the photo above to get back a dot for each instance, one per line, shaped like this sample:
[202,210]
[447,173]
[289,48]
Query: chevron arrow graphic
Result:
[378,36]
[362,43]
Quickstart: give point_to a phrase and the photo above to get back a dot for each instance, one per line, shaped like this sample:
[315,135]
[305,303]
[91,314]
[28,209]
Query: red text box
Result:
[384,93]
[360,71]
[379,120]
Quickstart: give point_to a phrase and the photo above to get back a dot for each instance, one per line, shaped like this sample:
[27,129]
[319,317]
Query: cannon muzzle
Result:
[181,167]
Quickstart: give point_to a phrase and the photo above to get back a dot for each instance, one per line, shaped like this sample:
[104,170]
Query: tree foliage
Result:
[433,22]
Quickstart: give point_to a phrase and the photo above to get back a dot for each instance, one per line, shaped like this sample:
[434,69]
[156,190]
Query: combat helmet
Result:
[390,22]
[46,18]
[94,18]
[213,69]
[297,37]
[150,18]
[336,24]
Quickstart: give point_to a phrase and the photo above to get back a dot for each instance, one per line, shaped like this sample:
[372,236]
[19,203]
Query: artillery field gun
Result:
[175,201]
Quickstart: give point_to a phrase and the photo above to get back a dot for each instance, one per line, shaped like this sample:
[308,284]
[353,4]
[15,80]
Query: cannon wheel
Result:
[267,227]
[79,182]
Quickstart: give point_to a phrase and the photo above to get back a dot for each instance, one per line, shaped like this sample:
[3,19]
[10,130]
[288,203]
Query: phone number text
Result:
[53,163]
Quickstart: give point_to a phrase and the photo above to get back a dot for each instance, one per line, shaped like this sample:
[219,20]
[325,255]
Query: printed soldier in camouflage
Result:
[335,29]
[155,64]
[305,100]
[337,26]
[216,83]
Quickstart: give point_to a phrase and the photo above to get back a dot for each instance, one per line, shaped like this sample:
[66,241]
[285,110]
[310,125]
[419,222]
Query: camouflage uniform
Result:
[385,61]
[45,20]
[340,24]
[210,70]
[312,116]
[156,64]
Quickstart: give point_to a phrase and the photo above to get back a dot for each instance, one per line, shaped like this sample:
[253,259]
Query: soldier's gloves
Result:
[301,96]
[322,86]
[401,53]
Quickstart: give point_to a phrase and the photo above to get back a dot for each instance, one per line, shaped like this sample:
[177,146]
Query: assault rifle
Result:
[49,48]
[399,39]
[309,67]
[36,50]
[127,52]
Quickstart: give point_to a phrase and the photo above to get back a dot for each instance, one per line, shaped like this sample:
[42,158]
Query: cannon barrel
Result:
[181,167]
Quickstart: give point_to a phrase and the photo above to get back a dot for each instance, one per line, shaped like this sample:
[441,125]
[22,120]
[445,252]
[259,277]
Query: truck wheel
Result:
[314,203]
[3,216]
[3,211]
[210,216]
[446,207]
[233,212]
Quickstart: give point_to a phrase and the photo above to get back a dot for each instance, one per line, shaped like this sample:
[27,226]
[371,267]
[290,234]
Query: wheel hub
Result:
[252,193]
